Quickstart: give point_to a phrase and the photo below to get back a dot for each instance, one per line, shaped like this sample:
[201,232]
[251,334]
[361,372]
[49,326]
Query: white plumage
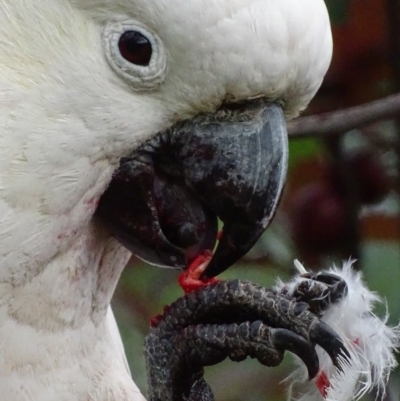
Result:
[66,119]
[371,343]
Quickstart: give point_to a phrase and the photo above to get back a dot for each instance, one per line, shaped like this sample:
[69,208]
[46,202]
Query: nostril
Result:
[231,103]
[226,106]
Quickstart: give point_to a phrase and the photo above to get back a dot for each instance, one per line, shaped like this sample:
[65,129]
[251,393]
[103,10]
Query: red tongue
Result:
[190,280]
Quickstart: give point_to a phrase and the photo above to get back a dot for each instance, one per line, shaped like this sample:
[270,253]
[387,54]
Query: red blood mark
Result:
[219,235]
[322,382]
[92,202]
[156,319]
[190,280]
[356,342]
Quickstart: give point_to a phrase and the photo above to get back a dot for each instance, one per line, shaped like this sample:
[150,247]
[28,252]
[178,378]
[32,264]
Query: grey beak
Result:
[164,200]
[237,166]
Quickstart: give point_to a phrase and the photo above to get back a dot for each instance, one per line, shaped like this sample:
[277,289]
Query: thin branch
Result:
[347,119]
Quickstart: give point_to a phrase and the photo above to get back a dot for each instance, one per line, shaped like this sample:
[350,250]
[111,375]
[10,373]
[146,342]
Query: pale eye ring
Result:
[135,53]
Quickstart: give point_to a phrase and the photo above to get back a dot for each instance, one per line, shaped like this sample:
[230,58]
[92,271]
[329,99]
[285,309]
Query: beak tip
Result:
[235,241]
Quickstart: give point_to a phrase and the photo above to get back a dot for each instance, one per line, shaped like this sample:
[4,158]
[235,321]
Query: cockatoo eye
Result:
[135,48]
[135,53]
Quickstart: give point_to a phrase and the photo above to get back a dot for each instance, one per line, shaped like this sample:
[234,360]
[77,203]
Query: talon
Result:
[234,319]
[287,340]
[320,291]
[330,341]
[337,287]
[327,278]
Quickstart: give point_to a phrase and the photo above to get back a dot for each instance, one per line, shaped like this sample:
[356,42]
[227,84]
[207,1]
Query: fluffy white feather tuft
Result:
[370,341]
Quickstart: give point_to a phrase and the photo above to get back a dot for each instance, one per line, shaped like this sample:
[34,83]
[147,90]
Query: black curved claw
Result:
[336,285]
[320,291]
[287,340]
[330,341]
[327,278]
[232,319]
[176,359]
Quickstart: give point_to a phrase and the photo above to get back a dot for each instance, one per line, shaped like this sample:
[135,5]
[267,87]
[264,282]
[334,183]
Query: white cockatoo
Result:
[83,83]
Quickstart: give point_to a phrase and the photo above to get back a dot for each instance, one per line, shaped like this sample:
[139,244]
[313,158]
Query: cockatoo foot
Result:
[234,319]
[318,290]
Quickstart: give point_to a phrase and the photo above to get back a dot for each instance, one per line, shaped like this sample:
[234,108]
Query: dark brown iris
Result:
[135,48]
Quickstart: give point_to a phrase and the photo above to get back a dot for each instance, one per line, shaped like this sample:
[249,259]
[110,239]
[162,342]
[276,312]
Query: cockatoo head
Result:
[86,82]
